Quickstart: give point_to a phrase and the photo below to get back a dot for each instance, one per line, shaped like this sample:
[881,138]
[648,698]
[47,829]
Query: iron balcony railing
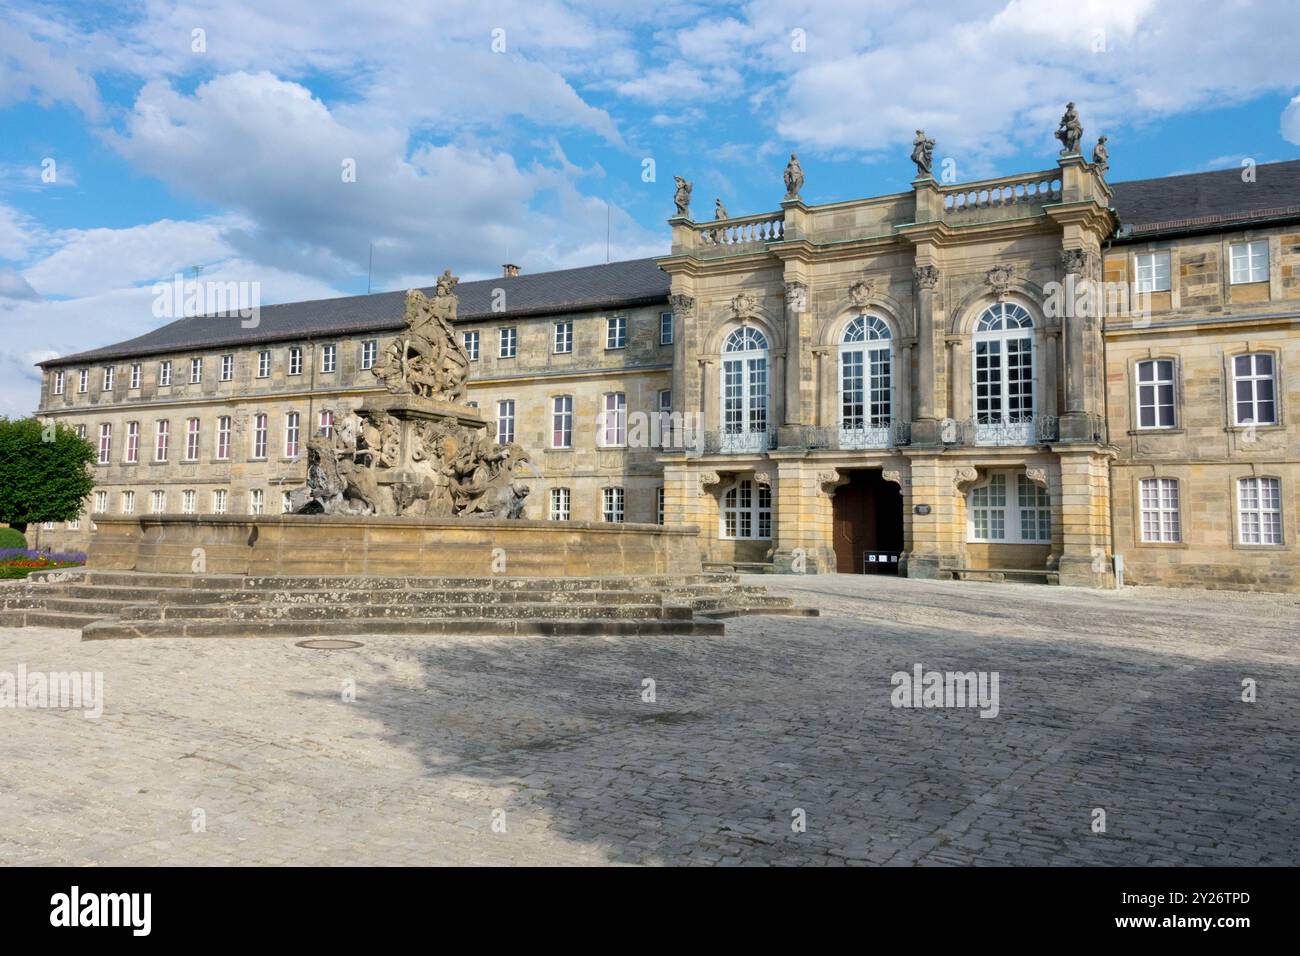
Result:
[1012,430]
[848,436]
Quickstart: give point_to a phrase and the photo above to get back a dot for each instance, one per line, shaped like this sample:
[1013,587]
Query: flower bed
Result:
[20,562]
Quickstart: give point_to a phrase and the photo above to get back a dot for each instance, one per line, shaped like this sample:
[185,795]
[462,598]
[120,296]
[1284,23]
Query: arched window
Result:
[866,383]
[747,510]
[1004,376]
[744,391]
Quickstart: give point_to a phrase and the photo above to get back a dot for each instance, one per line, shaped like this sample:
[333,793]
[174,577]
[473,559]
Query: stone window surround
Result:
[1230,386]
[755,510]
[1150,250]
[1179,483]
[1012,508]
[1285,495]
[554,412]
[1151,356]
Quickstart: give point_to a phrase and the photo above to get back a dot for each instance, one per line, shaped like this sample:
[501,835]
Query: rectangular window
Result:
[196,371]
[991,517]
[665,328]
[614,420]
[256,501]
[470,341]
[227,367]
[612,505]
[286,502]
[132,442]
[1159,501]
[223,438]
[162,435]
[264,363]
[1155,393]
[259,435]
[135,375]
[1035,510]
[1259,510]
[81,431]
[989,509]
[108,378]
[328,354]
[1151,272]
[128,502]
[1249,261]
[74,524]
[158,502]
[295,360]
[101,502]
[105,443]
[369,352]
[83,381]
[219,498]
[326,422]
[191,439]
[659,504]
[563,337]
[506,420]
[562,421]
[291,435]
[747,510]
[188,498]
[560,504]
[616,332]
[164,373]
[507,343]
[1254,389]
[58,383]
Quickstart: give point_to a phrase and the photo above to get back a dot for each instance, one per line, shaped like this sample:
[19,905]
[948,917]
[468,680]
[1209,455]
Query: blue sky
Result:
[482,131]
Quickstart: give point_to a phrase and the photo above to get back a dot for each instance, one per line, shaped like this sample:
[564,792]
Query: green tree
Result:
[44,472]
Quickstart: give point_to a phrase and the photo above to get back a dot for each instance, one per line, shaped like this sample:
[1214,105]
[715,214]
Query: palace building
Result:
[1035,377]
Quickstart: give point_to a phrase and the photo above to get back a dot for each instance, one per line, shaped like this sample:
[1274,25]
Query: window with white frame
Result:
[108,378]
[105,443]
[58,383]
[560,499]
[369,352]
[1158,498]
[83,381]
[101,502]
[1151,272]
[470,341]
[223,437]
[128,502]
[264,363]
[157,502]
[507,342]
[562,421]
[1004,375]
[866,377]
[611,505]
[1254,389]
[135,375]
[659,504]
[1259,510]
[191,439]
[188,499]
[665,328]
[328,357]
[744,389]
[616,332]
[132,443]
[256,501]
[326,422]
[219,498]
[292,432]
[74,524]
[286,502]
[563,337]
[47,525]
[164,373]
[196,371]
[1155,394]
[162,436]
[227,368]
[993,515]
[259,435]
[81,431]
[613,423]
[1249,261]
[506,420]
[746,510]
[295,360]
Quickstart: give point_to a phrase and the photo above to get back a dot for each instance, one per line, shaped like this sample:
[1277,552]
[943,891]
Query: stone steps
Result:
[462,610]
[1000,575]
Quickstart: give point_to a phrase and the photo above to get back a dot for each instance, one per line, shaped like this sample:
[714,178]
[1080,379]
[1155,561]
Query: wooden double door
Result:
[868,521]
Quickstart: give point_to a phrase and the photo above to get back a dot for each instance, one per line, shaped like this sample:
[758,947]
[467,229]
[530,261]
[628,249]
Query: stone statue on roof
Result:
[1070,131]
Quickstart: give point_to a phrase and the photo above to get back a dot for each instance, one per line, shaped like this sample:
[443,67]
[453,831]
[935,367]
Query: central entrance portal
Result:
[868,513]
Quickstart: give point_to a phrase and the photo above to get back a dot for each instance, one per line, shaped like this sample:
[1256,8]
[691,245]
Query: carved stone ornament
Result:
[862,291]
[1077,261]
[927,277]
[894,475]
[1037,475]
[744,305]
[427,360]
[681,304]
[830,480]
[709,479]
[999,280]
[796,296]
[763,479]
[962,476]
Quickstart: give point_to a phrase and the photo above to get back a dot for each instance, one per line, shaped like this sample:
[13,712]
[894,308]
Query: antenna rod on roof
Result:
[370,268]
[607,230]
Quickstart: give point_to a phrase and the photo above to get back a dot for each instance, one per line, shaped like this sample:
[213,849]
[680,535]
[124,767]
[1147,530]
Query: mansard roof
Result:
[609,285]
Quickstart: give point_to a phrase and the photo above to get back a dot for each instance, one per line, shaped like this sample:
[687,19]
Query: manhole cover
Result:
[328,644]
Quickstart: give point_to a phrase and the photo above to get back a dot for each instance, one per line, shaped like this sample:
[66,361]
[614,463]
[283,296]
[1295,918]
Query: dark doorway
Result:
[868,524]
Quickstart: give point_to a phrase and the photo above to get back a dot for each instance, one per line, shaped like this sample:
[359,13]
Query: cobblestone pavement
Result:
[1129,702]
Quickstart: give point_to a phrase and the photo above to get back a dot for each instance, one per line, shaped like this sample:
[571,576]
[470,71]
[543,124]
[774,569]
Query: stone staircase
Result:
[122,604]
[1002,575]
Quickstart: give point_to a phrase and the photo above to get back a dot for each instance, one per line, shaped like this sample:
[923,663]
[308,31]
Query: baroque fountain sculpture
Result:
[419,450]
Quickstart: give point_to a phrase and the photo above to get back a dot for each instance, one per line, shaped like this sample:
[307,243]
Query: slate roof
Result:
[609,285]
[1201,201]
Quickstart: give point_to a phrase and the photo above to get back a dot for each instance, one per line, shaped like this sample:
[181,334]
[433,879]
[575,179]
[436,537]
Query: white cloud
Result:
[18,233]
[1291,122]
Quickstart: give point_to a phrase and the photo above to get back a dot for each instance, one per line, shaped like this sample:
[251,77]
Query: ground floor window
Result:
[158,502]
[612,505]
[747,510]
[187,502]
[659,505]
[1259,511]
[256,501]
[1008,507]
[560,504]
[219,501]
[1160,515]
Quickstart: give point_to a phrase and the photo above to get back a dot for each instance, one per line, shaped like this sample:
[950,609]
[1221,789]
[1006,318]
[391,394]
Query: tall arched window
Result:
[866,383]
[744,391]
[1004,376]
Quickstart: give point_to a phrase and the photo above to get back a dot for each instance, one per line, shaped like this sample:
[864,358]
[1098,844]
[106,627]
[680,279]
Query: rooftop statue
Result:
[719,210]
[793,178]
[683,197]
[1101,156]
[922,153]
[1070,132]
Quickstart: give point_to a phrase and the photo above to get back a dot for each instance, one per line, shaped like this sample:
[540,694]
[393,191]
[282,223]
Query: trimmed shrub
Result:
[12,538]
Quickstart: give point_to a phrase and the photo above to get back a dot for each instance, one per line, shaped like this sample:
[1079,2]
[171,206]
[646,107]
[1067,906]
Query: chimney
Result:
[509,270]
